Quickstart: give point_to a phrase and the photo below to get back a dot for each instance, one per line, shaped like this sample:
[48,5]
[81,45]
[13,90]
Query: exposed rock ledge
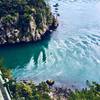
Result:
[25,21]
[13,35]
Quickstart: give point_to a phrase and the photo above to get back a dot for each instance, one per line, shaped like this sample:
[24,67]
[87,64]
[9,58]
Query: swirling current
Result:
[70,55]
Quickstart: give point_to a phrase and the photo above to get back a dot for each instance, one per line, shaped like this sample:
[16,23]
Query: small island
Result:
[25,20]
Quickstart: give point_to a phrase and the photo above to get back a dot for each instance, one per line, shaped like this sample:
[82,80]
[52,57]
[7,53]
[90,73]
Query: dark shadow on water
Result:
[19,55]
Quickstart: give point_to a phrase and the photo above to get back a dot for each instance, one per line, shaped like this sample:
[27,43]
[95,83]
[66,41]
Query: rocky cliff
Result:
[25,20]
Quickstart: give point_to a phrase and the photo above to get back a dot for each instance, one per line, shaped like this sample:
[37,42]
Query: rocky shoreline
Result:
[13,36]
[25,21]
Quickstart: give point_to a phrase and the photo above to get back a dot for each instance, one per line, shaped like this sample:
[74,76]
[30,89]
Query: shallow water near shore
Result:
[70,55]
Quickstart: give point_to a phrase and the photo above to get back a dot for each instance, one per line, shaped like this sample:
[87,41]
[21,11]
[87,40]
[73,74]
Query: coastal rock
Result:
[9,35]
[26,24]
[11,41]
[55,22]
[2,40]
[23,39]
[37,36]
[17,40]
[32,27]
[28,39]
[16,32]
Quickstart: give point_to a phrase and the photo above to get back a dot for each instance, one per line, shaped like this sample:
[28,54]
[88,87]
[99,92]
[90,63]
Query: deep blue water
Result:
[70,56]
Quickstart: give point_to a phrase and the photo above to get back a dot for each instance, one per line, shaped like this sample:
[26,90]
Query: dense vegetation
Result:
[10,9]
[90,93]
[28,90]
[7,73]
[24,90]
[24,20]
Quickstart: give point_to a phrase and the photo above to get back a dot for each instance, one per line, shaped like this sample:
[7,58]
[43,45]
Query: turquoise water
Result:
[70,56]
